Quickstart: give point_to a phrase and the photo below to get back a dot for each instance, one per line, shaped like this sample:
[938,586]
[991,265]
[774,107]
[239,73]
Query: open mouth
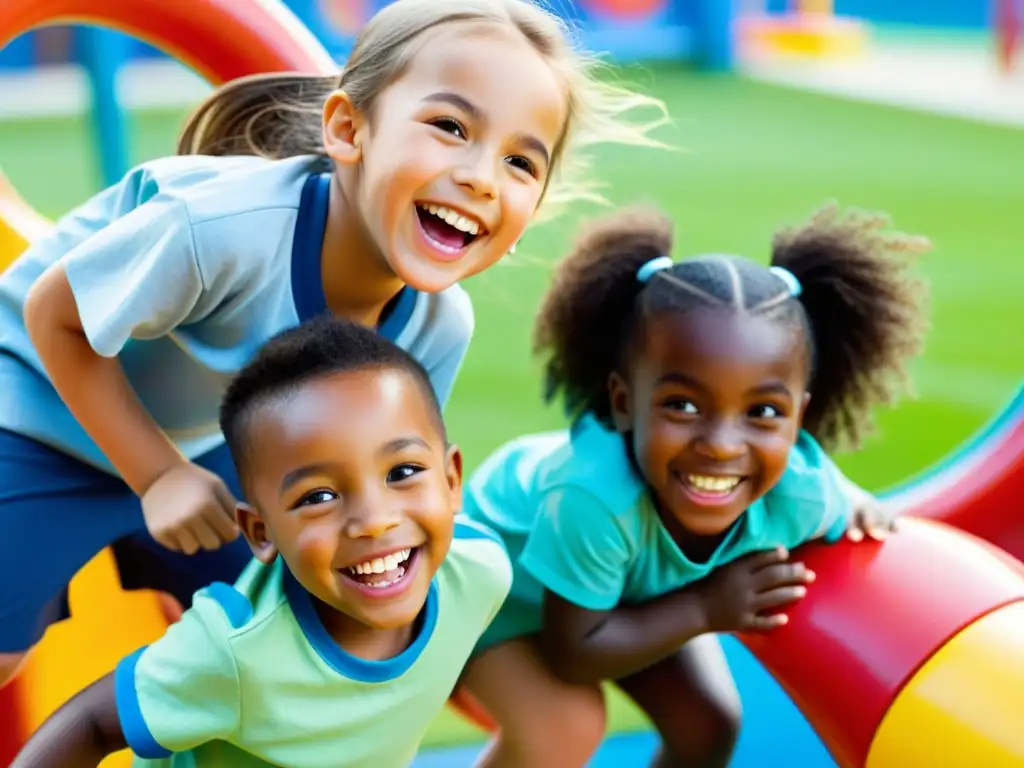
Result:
[382,573]
[712,489]
[447,230]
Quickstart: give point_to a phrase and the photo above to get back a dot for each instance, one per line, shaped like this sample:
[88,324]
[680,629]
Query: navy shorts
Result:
[57,513]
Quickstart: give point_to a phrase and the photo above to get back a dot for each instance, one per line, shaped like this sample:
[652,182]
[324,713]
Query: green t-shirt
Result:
[249,676]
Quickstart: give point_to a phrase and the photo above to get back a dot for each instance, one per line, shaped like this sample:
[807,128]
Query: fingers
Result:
[207,536]
[225,497]
[779,596]
[167,540]
[767,558]
[222,523]
[766,623]
[187,543]
[872,523]
[781,575]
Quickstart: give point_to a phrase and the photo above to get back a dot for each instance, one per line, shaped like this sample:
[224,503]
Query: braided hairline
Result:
[738,299]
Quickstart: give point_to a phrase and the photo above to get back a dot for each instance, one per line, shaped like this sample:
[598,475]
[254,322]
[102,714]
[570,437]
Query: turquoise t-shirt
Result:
[250,678]
[181,271]
[577,520]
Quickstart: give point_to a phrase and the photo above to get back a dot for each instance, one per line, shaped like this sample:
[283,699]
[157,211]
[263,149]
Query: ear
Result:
[453,472]
[342,129]
[803,405]
[621,402]
[255,532]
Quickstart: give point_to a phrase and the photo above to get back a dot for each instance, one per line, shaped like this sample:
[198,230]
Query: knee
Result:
[579,717]
[565,731]
[707,739]
[10,663]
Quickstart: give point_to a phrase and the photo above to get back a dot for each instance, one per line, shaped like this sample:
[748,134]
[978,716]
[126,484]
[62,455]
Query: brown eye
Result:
[450,125]
[403,472]
[319,496]
[522,163]
[682,405]
[765,411]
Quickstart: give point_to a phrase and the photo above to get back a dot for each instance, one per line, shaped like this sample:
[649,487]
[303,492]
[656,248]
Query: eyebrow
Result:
[471,109]
[300,473]
[401,443]
[674,377]
[768,388]
[772,388]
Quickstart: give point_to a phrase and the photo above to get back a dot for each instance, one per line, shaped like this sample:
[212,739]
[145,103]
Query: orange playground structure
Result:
[907,652]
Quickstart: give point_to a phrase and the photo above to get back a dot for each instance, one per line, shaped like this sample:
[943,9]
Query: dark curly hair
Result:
[863,311]
[321,347]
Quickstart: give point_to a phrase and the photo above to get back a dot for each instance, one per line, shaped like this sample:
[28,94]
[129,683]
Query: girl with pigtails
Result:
[703,396]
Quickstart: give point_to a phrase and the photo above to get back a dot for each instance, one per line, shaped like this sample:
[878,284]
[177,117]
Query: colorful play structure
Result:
[905,653]
[808,28]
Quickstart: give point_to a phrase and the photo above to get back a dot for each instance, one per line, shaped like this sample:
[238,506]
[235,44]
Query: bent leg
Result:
[692,700]
[543,722]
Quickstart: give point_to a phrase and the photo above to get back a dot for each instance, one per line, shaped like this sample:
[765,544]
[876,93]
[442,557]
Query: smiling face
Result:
[714,401]
[455,154]
[352,484]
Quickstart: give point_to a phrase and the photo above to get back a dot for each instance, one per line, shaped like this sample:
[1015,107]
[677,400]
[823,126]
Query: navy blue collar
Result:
[307,278]
[344,663]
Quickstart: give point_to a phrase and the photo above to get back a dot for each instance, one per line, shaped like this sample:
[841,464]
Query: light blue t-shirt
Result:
[250,678]
[182,271]
[578,521]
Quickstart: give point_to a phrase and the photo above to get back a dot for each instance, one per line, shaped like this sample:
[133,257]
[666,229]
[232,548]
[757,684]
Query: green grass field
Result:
[756,157]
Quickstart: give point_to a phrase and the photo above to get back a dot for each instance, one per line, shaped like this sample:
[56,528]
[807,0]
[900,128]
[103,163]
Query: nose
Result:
[476,175]
[721,441]
[371,516]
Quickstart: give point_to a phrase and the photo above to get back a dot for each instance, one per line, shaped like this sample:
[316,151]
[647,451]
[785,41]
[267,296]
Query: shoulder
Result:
[810,474]
[809,493]
[477,562]
[236,609]
[595,466]
[214,188]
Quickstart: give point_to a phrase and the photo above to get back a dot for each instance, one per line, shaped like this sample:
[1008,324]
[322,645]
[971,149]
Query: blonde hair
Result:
[279,115]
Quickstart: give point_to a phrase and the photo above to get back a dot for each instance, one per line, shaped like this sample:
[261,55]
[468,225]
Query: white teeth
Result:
[384,564]
[387,582]
[712,483]
[454,218]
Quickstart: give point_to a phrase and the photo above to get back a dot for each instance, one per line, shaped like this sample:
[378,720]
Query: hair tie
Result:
[646,272]
[791,281]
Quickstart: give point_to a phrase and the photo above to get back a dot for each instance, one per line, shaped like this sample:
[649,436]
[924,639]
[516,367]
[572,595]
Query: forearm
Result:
[98,394]
[629,639]
[78,735]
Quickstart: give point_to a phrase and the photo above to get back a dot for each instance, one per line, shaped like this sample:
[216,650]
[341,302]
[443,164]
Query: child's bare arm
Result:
[79,734]
[583,646]
[94,387]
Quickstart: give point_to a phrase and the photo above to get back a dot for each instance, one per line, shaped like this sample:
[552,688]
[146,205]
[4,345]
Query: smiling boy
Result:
[343,639]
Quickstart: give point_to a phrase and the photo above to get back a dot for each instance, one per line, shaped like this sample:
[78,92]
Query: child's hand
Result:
[188,509]
[871,518]
[735,595]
